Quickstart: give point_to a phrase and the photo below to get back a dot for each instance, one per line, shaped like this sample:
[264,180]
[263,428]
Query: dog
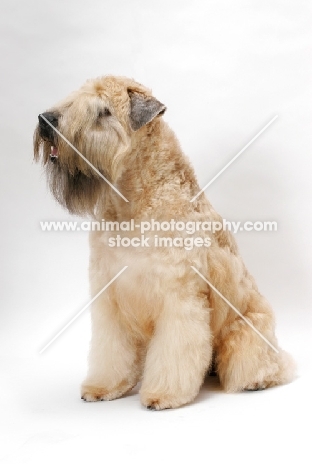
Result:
[177,308]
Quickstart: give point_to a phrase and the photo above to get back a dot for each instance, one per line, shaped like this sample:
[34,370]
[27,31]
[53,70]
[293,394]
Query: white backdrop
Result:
[223,69]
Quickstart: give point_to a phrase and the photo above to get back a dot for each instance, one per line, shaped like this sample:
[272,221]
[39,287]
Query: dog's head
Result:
[98,124]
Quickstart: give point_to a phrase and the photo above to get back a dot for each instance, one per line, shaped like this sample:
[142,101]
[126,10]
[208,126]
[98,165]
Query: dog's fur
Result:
[159,321]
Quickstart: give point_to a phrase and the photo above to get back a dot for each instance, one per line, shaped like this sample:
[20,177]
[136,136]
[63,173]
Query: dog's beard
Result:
[77,192]
[73,182]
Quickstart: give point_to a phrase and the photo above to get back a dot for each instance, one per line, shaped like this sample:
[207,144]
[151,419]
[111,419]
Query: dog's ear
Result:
[143,109]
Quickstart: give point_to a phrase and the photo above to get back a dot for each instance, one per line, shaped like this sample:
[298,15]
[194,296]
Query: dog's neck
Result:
[156,178]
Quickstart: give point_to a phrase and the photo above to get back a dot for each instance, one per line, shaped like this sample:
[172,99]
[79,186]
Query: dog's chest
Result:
[138,291]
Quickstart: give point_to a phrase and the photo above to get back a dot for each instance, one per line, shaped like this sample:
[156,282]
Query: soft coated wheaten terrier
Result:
[159,321]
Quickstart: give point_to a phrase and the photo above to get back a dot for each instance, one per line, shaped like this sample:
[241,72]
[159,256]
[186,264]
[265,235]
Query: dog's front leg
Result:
[178,356]
[113,360]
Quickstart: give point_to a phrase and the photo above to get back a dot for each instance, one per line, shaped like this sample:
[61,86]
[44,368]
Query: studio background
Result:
[224,70]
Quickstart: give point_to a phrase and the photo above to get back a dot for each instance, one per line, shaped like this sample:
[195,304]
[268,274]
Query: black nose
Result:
[46,131]
[52,117]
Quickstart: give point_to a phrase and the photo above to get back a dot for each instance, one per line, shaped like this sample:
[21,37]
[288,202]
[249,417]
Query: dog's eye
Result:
[104,113]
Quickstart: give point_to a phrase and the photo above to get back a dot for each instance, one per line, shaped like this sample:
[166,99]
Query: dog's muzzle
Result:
[47,132]
[53,154]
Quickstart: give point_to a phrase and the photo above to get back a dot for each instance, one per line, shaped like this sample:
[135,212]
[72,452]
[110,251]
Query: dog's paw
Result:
[98,393]
[90,393]
[255,387]
[163,401]
[158,403]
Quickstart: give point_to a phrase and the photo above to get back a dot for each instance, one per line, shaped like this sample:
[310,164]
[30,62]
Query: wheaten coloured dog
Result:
[159,322]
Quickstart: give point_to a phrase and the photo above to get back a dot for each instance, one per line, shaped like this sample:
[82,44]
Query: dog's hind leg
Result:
[245,361]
